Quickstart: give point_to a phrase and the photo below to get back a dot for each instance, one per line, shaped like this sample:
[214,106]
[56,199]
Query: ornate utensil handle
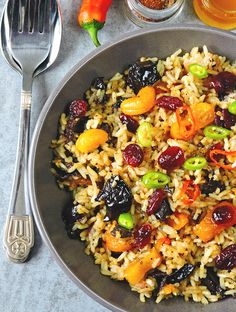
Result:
[19,232]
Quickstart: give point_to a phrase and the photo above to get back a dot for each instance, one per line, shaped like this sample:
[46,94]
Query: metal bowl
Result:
[46,198]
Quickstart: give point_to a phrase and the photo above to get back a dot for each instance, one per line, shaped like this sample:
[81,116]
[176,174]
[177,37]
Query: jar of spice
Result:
[150,12]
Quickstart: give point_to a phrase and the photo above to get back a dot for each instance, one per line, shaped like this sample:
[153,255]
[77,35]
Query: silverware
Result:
[30,42]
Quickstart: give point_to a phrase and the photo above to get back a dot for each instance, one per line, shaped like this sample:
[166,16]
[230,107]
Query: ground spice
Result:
[157,4]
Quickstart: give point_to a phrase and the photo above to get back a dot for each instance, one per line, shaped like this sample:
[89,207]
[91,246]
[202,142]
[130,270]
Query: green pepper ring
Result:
[215,132]
[232,108]
[198,71]
[155,179]
[195,163]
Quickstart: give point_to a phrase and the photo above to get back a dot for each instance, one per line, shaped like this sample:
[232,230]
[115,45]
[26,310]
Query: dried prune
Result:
[226,260]
[142,74]
[117,196]
[212,282]
[98,83]
[164,210]
[160,278]
[169,102]
[69,216]
[124,233]
[171,158]
[131,124]
[155,201]
[142,236]
[180,274]
[133,155]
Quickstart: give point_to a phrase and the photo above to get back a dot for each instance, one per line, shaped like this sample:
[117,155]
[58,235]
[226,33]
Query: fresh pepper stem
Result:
[93,32]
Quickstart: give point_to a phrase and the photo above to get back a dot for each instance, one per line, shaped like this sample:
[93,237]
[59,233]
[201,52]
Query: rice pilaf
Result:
[173,246]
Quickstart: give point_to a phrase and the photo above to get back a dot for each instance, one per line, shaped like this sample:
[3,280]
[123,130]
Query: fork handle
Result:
[19,231]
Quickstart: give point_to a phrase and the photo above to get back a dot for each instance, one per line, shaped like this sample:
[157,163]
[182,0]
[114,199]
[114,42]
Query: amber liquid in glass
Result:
[217,13]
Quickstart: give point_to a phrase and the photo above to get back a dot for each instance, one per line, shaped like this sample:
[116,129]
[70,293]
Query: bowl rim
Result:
[39,124]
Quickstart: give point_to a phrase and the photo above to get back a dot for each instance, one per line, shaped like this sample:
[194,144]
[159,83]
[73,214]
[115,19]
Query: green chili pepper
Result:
[198,71]
[232,108]
[215,132]
[195,163]
[145,134]
[126,220]
[155,179]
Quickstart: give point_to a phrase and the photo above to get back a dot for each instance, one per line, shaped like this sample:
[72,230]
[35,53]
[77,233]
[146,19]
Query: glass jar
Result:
[217,13]
[144,16]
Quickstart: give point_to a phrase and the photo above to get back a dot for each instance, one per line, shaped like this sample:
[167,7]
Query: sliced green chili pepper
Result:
[155,179]
[215,132]
[195,163]
[232,108]
[126,220]
[145,134]
[198,71]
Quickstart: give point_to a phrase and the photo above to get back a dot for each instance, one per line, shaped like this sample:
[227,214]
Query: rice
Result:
[86,174]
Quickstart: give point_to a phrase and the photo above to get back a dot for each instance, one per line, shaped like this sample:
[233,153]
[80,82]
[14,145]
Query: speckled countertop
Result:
[40,285]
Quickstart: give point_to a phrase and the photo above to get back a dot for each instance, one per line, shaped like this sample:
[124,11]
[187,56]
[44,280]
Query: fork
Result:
[29,27]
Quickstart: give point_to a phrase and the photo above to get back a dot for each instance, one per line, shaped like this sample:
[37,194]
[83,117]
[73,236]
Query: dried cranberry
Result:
[169,102]
[131,123]
[155,201]
[133,155]
[226,260]
[222,82]
[78,108]
[223,118]
[171,158]
[222,214]
[142,236]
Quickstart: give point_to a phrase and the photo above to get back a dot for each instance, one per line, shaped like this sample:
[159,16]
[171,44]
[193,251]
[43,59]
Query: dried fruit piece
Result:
[164,210]
[142,74]
[171,158]
[181,274]
[140,104]
[222,83]
[78,108]
[117,196]
[212,282]
[131,124]
[142,236]
[155,201]
[226,260]
[91,139]
[133,155]
[169,102]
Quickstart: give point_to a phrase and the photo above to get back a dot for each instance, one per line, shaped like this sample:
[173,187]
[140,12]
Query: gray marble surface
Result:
[40,285]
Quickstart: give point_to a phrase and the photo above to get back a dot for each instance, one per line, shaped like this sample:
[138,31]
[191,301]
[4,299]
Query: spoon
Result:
[30,41]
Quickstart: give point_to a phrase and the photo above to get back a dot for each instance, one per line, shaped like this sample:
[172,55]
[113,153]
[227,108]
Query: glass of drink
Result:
[217,13]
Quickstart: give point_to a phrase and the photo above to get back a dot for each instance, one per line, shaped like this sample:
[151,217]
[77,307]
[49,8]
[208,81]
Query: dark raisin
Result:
[155,201]
[164,210]
[181,274]
[226,260]
[160,278]
[131,123]
[142,236]
[106,127]
[222,214]
[142,74]
[212,282]
[78,108]
[98,83]
[171,158]
[211,186]
[133,155]
[75,125]
[223,118]
[81,124]
[117,196]
[118,102]
[115,254]
[169,102]
[124,233]
[70,214]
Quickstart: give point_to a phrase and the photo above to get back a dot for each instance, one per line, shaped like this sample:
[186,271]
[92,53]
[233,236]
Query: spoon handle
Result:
[19,231]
